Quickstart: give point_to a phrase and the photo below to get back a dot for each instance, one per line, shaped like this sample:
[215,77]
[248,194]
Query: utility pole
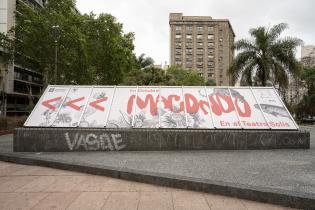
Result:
[56,38]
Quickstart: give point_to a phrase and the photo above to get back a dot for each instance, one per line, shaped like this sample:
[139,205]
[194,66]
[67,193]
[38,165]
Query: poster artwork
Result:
[161,107]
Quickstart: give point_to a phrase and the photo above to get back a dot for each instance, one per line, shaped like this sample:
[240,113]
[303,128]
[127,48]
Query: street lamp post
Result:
[56,38]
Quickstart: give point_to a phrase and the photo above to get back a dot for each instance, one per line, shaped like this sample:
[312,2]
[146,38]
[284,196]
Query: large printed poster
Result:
[97,109]
[245,103]
[274,110]
[47,107]
[146,108]
[121,111]
[172,112]
[161,107]
[197,108]
[222,107]
[72,108]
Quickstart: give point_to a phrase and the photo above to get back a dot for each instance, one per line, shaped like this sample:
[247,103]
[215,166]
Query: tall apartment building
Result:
[308,55]
[17,83]
[203,44]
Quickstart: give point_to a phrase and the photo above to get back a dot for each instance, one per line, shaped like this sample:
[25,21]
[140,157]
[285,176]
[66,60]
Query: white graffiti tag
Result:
[93,142]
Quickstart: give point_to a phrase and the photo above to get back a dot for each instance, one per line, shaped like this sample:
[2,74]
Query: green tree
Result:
[177,76]
[149,76]
[91,49]
[144,62]
[307,105]
[266,57]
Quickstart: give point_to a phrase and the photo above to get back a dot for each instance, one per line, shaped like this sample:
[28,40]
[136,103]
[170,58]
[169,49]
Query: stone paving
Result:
[34,187]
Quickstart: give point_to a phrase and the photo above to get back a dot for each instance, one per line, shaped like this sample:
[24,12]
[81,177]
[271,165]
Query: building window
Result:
[210,51]
[199,58]
[199,36]
[188,58]
[210,44]
[178,62]
[189,44]
[178,28]
[210,69]
[178,57]
[199,29]
[200,64]
[188,28]
[178,36]
[199,44]
[178,44]
[210,57]
[211,37]
[220,40]
[189,36]
[211,64]
[210,75]
[199,51]
[178,51]
[188,51]
[210,28]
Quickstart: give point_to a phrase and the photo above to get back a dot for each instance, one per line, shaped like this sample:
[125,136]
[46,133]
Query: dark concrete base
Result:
[78,139]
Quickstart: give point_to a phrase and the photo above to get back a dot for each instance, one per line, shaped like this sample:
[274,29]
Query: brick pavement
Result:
[33,187]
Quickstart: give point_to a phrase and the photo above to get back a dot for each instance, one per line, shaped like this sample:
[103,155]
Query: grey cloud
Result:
[149,19]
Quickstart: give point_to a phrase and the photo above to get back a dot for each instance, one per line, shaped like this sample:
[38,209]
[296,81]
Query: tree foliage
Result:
[91,49]
[266,57]
[307,105]
[173,76]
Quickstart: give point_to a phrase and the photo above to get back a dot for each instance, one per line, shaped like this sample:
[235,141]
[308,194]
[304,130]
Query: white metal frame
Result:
[159,103]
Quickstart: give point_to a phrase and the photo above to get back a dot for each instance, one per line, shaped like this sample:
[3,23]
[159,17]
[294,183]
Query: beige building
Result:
[203,44]
[308,55]
[17,83]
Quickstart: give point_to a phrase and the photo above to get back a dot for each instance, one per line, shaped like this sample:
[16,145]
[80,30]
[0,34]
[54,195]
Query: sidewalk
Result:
[284,177]
[33,187]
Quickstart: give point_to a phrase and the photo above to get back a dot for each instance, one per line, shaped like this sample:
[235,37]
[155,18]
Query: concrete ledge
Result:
[79,139]
[268,195]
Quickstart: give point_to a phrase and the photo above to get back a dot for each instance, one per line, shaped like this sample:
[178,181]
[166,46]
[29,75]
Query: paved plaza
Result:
[33,187]
[276,172]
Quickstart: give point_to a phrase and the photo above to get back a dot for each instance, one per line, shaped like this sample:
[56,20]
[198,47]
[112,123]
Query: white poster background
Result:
[197,108]
[172,112]
[70,113]
[147,116]
[245,101]
[119,116]
[97,108]
[170,109]
[222,108]
[275,112]
[43,116]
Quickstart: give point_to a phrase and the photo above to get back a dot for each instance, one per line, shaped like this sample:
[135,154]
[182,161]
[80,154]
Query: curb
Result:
[260,194]
[5,132]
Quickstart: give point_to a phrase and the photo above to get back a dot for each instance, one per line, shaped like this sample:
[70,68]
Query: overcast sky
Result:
[148,19]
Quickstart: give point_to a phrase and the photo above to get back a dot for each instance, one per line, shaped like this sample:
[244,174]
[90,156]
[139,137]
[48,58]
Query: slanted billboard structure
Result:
[161,107]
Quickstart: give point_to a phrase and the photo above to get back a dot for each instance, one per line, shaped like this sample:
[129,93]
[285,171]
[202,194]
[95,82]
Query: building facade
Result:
[203,44]
[308,55]
[19,86]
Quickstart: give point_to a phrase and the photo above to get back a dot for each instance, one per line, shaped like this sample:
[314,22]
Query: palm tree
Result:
[266,57]
[144,62]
